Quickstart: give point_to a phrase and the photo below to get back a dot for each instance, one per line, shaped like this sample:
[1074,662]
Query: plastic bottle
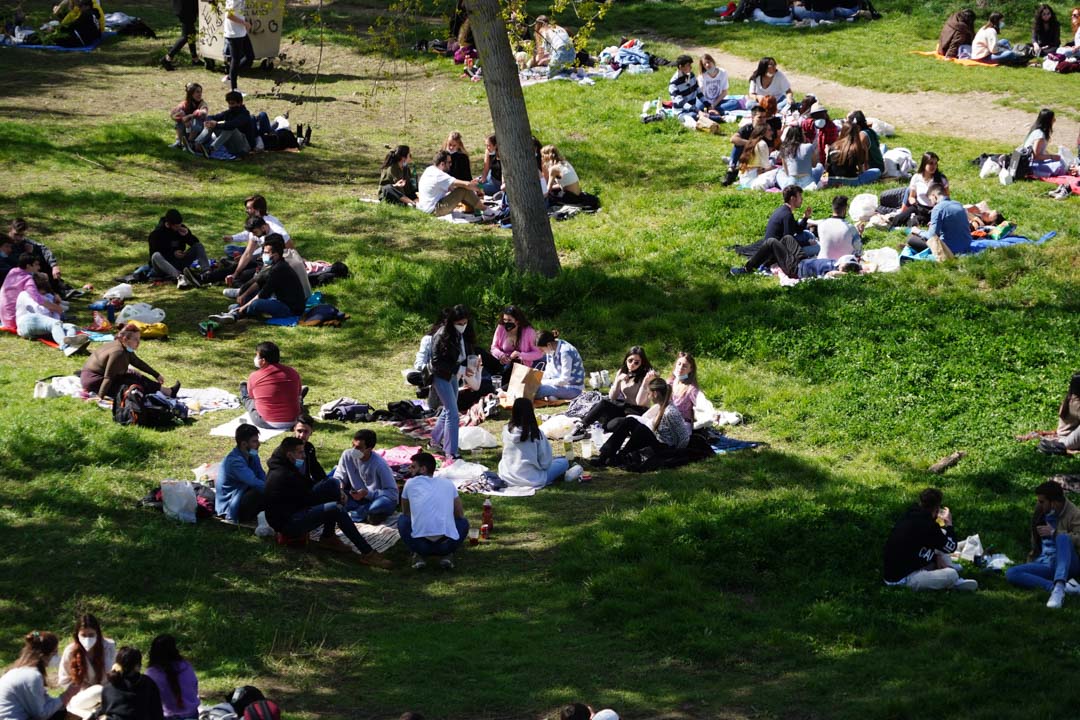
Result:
[596,433]
[574,474]
[488,515]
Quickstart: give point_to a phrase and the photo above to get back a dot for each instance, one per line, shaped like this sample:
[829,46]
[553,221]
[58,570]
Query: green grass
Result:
[747,586]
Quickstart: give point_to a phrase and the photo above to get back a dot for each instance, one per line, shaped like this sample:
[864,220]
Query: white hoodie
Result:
[524,464]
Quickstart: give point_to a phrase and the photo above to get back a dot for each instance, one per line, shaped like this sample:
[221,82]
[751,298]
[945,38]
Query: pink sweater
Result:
[502,346]
[16,281]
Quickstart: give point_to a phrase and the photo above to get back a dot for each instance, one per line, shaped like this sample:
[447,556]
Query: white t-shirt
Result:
[836,238]
[712,87]
[433,186]
[1033,137]
[244,236]
[431,506]
[777,89]
[984,43]
[26,305]
[230,28]
[920,185]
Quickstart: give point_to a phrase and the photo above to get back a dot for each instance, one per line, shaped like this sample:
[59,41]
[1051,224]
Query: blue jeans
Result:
[729,104]
[783,179]
[1048,168]
[760,16]
[423,546]
[328,514]
[563,392]
[445,432]
[1043,575]
[378,504]
[864,178]
[33,325]
[489,186]
[557,469]
[269,306]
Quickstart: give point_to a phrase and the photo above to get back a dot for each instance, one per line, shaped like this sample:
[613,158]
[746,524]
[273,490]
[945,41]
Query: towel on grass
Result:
[380,537]
[57,48]
[967,62]
[229,429]
[207,400]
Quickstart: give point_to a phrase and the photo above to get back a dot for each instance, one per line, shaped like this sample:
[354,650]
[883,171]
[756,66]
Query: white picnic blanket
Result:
[229,429]
[200,401]
[380,537]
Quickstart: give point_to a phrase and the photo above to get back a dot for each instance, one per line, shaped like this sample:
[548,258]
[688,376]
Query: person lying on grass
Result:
[787,254]
[1066,439]
[1053,564]
[917,551]
[108,368]
[37,318]
[661,428]
[432,522]
[294,509]
[280,292]
[948,222]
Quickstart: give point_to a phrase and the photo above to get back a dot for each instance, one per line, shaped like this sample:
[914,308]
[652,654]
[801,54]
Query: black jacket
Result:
[446,354]
[167,241]
[134,697]
[280,281]
[912,543]
[313,468]
[236,118]
[287,492]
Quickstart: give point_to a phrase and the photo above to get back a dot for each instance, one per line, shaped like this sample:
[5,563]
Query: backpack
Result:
[133,406]
[1019,163]
[262,710]
[223,711]
[243,696]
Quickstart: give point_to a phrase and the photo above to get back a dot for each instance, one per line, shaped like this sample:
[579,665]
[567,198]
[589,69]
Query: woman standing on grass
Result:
[662,427]
[175,679]
[451,346]
[22,687]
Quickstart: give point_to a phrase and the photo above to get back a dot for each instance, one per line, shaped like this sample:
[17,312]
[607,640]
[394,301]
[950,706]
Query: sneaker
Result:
[223,318]
[231,293]
[1072,587]
[374,559]
[260,146]
[738,270]
[182,283]
[333,542]
[303,392]
[1057,596]
[447,563]
[224,78]
[178,145]
[966,585]
[167,64]
[192,278]
[577,434]
[418,562]
[75,343]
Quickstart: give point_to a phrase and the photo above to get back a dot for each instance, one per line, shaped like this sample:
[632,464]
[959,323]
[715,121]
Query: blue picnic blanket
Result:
[724,444]
[57,48]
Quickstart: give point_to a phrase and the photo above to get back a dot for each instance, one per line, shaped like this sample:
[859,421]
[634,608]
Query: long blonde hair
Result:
[659,386]
[549,155]
[455,137]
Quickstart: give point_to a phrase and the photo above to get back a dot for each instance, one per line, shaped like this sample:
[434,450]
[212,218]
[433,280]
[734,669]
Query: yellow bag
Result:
[151,331]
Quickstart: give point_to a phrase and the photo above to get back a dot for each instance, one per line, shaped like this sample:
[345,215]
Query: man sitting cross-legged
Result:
[368,480]
[432,519]
[273,395]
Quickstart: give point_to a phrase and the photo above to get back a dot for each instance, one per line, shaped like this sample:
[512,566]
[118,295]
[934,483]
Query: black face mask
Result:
[509,326]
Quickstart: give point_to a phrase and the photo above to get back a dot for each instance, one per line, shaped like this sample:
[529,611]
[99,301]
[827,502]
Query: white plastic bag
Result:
[863,207]
[1005,177]
[43,390]
[141,312]
[1067,158]
[123,291]
[178,500]
[990,168]
[461,470]
[557,427]
[970,548]
[473,437]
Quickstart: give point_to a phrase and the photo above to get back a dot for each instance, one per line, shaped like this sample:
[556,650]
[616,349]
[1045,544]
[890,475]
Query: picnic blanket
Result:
[57,48]
[1071,180]
[204,400]
[582,76]
[43,340]
[380,537]
[229,429]
[968,62]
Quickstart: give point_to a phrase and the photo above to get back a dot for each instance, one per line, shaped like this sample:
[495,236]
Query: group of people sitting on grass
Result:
[798,13]
[98,679]
[959,38]
[449,182]
[234,132]
[918,550]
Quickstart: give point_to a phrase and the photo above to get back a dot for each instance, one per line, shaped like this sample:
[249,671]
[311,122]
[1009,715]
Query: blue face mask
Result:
[299,464]
[129,349]
[254,453]
[684,377]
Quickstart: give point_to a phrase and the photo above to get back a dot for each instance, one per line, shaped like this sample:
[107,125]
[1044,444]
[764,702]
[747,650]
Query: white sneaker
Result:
[182,283]
[1072,587]
[259,144]
[225,78]
[418,562]
[1057,596]
[966,585]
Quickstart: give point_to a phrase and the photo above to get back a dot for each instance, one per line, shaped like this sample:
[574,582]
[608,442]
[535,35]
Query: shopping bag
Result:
[524,382]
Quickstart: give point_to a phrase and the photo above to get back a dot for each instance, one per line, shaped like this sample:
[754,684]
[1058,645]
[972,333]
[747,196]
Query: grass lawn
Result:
[746,586]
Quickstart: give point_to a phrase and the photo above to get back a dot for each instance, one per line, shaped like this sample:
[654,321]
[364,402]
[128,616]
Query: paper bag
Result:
[939,248]
[524,382]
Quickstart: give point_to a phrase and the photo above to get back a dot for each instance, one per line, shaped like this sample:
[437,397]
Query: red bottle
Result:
[487,516]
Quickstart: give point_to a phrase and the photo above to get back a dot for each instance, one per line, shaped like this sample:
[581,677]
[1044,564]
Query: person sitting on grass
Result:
[959,30]
[108,368]
[45,257]
[917,551]
[948,221]
[869,138]
[628,394]
[438,192]
[491,177]
[790,256]
[241,480]
[800,164]
[848,162]
[819,129]
[174,248]
[23,693]
[280,292]
[302,428]
[661,428]
[175,679]
[686,97]
[232,130]
[564,371]
[1066,439]
[773,12]
[514,341]
[987,48]
[396,185]
[768,81]
[755,162]
[1045,31]
[714,87]
[273,394]
[35,316]
[553,46]
[836,237]
[82,30]
[696,409]
[188,117]
[782,220]
[294,509]
[130,695]
[527,459]
[1043,163]
[8,257]
[367,480]
[87,658]
[20,279]
[460,165]
[432,522]
[758,118]
[1053,564]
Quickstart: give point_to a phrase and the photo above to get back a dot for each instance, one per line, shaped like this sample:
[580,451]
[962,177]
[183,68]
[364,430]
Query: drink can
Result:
[485,532]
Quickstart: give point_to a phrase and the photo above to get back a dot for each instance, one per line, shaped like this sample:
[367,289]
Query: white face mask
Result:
[1001,26]
[819,123]
[88,642]
[54,662]
[461,327]
[258,366]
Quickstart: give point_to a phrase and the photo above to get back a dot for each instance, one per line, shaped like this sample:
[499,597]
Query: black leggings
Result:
[241,54]
[634,434]
[187,35]
[607,412]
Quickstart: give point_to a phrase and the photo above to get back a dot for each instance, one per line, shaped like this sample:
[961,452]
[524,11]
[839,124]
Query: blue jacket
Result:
[239,471]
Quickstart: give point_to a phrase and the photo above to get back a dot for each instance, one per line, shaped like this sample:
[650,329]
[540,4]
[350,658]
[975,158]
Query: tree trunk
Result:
[534,246]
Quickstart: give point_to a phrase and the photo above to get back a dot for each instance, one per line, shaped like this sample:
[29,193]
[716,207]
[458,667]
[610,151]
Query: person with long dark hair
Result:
[913,206]
[628,395]
[188,116]
[1045,31]
[88,657]
[514,341]
[451,346]
[527,460]
[175,679]
[697,410]
[869,138]
[849,160]
[130,695]
[987,48]
[396,182]
[22,687]
[662,428]
[768,81]
[799,160]
[1043,163]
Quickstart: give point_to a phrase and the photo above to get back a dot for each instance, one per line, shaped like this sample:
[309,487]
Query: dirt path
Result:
[935,113]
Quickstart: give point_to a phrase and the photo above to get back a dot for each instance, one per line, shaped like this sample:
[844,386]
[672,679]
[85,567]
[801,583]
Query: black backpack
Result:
[133,406]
